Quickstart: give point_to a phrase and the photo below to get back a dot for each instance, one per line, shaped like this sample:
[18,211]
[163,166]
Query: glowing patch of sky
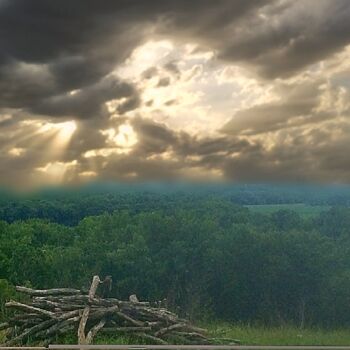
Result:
[200,97]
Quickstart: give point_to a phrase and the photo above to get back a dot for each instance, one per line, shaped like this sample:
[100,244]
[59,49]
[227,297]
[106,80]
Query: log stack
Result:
[55,312]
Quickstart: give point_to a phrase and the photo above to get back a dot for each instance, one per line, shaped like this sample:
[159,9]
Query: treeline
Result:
[68,207]
[207,258]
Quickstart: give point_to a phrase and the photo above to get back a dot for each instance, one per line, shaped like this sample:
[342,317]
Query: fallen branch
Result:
[47,292]
[28,308]
[81,330]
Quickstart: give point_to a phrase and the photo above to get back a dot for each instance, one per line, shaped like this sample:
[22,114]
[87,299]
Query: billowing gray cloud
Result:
[162,154]
[89,102]
[49,49]
[299,33]
[294,107]
[59,62]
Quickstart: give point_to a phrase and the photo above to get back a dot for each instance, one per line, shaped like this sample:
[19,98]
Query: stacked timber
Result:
[55,312]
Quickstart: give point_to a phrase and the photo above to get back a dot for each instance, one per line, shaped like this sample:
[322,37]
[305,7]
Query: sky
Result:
[164,90]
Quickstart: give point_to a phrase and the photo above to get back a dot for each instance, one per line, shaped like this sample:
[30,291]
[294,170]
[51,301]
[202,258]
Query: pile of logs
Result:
[54,312]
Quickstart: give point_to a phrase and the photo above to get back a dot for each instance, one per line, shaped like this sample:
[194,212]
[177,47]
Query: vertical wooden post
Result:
[81,330]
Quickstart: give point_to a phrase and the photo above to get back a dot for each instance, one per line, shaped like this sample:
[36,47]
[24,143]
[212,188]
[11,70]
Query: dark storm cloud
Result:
[165,81]
[288,38]
[22,84]
[51,48]
[274,38]
[89,102]
[296,107]
[163,153]
[308,158]
[154,138]
[56,60]
[78,43]
[173,68]
[296,156]
[149,73]
[157,138]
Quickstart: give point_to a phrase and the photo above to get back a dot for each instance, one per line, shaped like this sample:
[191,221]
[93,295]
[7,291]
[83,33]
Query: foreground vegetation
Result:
[246,334]
[283,335]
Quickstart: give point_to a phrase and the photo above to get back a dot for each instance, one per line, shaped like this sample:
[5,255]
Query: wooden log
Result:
[154,339]
[28,308]
[196,329]
[4,325]
[64,298]
[45,304]
[52,314]
[82,300]
[133,298]
[102,312]
[26,323]
[47,292]
[130,319]
[69,315]
[24,316]
[170,328]
[29,332]
[58,328]
[81,329]
[94,330]
[159,314]
[82,325]
[94,285]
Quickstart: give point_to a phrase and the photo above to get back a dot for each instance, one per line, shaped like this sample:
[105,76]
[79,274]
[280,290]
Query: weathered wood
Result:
[50,313]
[94,285]
[69,315]
[133,298]
[102,312]
[154,339]
[4,325]
[82,325]
[93,331]
[47,292]
[170,328]
[29,331]
[81,330]
[130,319]
[57,328]
[28,308]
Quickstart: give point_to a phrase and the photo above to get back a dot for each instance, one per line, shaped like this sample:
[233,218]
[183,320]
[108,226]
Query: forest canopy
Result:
[197,249]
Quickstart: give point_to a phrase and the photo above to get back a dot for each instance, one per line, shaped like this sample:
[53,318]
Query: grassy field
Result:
[303,210]
[248,335]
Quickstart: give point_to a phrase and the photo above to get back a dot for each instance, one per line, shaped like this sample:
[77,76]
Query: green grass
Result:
[255,335]
[303,210]
[100,339]
[247,335]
